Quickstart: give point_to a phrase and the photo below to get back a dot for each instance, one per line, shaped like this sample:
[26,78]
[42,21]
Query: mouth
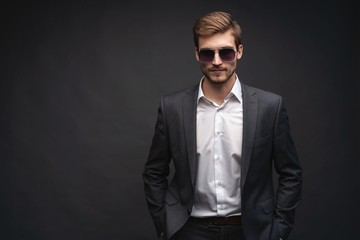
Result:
[216,70]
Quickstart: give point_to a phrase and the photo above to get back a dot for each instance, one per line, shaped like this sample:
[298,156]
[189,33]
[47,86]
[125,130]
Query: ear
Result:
[196,54]
[240,51]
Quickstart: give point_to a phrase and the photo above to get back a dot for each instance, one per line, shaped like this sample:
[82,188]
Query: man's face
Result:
[218,70]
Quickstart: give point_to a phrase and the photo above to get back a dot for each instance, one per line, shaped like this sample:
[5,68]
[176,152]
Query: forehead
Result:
[218,40]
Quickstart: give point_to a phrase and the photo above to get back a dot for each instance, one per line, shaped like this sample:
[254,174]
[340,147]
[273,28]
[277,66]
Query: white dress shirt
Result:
[219,144]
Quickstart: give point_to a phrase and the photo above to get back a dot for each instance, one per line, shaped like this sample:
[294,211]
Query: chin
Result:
[218,80]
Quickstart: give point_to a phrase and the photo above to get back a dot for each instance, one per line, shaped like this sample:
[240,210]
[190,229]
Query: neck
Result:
[218,91]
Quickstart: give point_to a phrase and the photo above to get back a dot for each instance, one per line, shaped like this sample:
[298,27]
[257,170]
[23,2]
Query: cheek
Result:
[231,65]
[205,66]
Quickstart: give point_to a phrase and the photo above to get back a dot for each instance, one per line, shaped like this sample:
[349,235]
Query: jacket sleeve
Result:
[157,170]
[289,171]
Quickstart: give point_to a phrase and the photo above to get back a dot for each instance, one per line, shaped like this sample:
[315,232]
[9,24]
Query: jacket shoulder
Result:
[176,96]
[181,92]
[261,94]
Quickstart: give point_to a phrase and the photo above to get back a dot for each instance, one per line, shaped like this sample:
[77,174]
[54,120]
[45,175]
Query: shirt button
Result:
[218,132]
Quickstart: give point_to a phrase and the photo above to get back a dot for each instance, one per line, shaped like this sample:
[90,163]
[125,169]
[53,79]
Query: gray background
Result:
[80,86]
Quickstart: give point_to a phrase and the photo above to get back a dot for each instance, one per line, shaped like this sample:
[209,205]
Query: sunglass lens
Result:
[206,55]
[227,54]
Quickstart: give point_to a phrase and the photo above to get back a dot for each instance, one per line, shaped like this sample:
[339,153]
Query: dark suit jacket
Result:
[267,143]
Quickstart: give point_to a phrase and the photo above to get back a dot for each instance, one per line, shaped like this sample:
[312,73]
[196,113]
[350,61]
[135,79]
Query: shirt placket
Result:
[218,161]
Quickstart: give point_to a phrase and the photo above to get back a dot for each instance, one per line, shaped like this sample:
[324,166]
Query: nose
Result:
[217,60]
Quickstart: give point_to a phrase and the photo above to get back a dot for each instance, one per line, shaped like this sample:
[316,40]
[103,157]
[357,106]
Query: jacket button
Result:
[189,211]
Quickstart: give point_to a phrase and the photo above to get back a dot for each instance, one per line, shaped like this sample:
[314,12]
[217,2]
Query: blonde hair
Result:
[216,22]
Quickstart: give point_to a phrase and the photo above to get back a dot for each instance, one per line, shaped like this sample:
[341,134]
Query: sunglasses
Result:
[207,55]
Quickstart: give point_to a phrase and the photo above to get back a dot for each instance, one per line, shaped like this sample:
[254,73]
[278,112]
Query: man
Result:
[224,138]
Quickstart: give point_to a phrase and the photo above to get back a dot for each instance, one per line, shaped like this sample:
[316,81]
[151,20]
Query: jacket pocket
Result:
[268,205]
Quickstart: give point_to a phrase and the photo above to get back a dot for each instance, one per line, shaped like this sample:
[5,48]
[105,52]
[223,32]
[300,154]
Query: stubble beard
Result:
[218,82]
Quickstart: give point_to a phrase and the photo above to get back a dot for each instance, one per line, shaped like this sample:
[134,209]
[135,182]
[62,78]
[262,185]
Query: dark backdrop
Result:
[80,85]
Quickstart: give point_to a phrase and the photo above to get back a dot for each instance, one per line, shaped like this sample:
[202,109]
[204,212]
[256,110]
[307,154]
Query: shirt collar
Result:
[235,91]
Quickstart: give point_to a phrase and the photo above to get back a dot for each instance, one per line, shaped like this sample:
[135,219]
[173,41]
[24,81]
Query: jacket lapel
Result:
[189,113]
[250,108]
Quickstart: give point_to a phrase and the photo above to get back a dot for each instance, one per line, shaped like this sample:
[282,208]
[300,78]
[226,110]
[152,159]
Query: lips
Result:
[217,72]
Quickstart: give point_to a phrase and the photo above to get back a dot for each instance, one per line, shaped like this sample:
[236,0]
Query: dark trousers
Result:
[195,230]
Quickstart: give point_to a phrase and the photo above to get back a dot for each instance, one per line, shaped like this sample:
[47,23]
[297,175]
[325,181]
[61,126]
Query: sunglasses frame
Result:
[217,51]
